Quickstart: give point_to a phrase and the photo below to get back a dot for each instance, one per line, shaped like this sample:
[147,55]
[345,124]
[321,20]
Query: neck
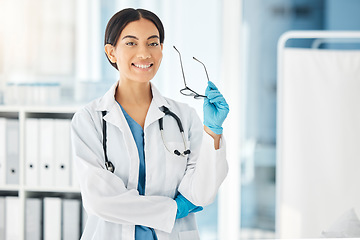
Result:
[133,93]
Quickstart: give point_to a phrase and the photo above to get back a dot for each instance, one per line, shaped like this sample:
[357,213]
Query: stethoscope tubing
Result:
[109,165]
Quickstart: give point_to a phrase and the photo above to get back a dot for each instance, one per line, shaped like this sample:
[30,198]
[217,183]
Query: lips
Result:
[143,66]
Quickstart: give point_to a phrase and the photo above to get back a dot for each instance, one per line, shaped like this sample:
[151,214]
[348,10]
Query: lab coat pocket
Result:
[175,165]
[189,235]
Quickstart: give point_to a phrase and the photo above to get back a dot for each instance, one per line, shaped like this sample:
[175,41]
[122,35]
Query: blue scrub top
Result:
[141,232]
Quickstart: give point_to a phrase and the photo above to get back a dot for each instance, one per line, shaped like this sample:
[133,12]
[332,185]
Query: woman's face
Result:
[138,52]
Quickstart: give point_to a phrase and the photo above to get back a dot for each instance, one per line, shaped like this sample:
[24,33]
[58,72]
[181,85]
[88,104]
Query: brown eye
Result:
[154,44]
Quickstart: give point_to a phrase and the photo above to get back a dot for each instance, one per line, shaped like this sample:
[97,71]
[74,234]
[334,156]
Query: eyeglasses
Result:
[188,91]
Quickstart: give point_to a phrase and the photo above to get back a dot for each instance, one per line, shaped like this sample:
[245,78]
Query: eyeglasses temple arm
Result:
[182,69]
[207,75]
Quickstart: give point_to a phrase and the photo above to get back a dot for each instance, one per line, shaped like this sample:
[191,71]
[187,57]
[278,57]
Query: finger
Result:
[206,101]
[211,86]
[217,99]
[222,107]
[220,103]
[197,209]
[213,94]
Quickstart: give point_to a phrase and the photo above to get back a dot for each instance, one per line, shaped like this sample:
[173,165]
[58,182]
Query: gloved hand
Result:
[215,108]
[184,206]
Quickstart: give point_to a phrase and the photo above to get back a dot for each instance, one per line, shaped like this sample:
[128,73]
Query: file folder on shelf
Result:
[12,151]
[46,148]
[33,218]
[62,153]
[32,152]
[2,217]
[52,218]
[12,218]
[71,219]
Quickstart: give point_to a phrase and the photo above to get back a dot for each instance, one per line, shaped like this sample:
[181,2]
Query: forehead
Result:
[140,28]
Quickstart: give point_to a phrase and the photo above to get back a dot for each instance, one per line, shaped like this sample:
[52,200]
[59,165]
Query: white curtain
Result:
[319,163]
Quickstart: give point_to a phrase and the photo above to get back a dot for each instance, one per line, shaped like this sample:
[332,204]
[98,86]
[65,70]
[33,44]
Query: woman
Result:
[153,192]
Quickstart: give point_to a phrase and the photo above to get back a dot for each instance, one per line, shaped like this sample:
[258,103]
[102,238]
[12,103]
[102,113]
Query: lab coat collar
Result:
[108,103]
[158,99]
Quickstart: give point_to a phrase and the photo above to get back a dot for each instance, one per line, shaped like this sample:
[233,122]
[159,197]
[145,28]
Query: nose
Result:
[143,52]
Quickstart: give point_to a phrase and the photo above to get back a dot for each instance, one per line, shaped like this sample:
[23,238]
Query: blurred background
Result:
[51,53]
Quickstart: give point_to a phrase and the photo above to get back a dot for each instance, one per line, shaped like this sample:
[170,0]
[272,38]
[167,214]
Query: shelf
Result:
[10,187]
[43,192]
[22,191]
[9,114]
[11,190]
[40,109]
[52,189]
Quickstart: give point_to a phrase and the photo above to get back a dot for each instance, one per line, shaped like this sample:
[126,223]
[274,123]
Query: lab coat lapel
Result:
[114,114]
[116,117]
[154,112]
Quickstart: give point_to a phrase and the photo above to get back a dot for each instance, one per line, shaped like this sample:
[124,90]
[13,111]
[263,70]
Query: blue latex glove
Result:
[215,108]
[184,207]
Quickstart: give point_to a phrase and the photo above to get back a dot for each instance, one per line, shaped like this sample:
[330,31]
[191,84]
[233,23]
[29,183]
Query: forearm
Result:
[105,196]
[215,136]
[200,184]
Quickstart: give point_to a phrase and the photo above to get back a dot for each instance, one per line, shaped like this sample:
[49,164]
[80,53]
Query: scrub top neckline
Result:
[129,118]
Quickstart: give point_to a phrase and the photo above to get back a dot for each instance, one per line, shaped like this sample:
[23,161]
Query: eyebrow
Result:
[130,36]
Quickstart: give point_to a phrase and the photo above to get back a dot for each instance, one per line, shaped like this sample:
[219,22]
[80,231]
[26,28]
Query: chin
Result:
[143,79]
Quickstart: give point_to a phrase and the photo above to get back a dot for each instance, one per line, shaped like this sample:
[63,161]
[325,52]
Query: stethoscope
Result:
[110,166]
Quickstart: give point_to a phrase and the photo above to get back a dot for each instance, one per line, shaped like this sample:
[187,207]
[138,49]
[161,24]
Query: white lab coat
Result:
[112,201]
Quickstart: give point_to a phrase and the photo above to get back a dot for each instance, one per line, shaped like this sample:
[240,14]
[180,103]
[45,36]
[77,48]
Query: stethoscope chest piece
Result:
[109,166]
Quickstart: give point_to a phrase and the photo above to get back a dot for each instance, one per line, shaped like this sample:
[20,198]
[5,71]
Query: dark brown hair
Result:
[122,18]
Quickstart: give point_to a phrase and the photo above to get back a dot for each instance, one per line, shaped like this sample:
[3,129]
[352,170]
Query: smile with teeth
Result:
[142,66]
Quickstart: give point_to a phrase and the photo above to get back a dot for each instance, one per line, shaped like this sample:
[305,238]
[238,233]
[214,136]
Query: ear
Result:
[109,50]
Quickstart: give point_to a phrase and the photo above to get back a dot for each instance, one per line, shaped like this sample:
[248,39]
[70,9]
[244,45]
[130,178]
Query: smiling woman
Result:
[138,179]
[118,22]
[138,50]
